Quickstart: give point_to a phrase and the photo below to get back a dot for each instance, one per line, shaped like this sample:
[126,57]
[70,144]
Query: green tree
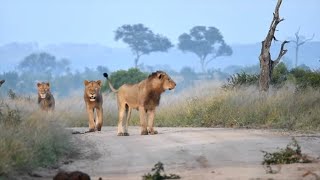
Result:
[43,63]
[206,42]
[118,78]
[142,40]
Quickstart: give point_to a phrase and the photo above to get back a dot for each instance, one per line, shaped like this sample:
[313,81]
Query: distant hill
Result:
[92,55]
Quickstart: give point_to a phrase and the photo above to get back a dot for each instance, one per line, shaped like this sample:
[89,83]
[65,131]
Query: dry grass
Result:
[28,138]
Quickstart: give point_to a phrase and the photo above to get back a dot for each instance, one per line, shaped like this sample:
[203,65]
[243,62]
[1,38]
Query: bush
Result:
[241,79]
[29,140]
[118,78]
[291,154]
[305,78]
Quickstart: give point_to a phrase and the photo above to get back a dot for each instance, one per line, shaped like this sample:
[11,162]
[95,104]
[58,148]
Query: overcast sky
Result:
[94,21]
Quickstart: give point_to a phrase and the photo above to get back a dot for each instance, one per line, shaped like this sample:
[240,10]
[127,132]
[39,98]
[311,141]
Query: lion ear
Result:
[48,84]
[160,76]
[38,84]
[99,82]
[86,82]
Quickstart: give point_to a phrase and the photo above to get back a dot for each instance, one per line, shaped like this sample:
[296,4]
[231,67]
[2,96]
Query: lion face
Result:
[92,89]
[43,89]
[168,83]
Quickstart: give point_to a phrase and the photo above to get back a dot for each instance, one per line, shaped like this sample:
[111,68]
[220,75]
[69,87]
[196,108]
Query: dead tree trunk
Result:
[266,64]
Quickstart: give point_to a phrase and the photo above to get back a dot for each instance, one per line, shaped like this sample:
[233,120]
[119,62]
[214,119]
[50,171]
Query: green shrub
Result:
[30,139]
[241,79]
[291,154]
[305,78]
[118,78]
[156,173]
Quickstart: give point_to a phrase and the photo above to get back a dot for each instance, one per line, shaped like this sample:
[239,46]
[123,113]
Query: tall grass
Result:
[246,107]
[206,104]
[29,138]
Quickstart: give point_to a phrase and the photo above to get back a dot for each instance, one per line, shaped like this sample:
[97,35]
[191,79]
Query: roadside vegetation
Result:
[29,139]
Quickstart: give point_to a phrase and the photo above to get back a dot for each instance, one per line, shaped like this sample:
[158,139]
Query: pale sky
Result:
[94,21]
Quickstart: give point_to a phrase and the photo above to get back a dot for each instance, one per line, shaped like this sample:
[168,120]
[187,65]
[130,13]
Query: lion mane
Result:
[144,97]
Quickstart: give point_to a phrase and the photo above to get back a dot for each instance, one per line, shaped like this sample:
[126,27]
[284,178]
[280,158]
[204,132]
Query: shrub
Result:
[241,79]
[291,154]
[133,75]
[29,139]
[156,173]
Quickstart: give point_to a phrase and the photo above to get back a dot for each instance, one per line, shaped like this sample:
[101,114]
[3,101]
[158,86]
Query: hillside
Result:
[92,55]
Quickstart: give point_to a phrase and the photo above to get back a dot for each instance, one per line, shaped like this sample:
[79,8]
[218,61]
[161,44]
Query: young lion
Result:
[93,99]
[45,98]
[143,96]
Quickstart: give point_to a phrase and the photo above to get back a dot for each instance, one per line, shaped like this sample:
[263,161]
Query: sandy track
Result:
[192,153]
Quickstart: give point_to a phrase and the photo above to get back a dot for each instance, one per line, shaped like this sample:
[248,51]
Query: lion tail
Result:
[110,85]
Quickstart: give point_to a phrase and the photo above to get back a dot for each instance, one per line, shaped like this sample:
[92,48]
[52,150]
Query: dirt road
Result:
[192,153]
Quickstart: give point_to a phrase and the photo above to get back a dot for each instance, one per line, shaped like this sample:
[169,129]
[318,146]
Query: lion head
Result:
[161,81]
[92,89]
[43,89]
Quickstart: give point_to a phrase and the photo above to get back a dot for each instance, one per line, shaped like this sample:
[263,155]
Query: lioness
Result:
[93,99]
[143,96]
[1,82]
[45,98]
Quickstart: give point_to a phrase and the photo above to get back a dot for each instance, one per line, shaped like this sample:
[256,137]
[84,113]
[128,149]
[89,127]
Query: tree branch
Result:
[281,53]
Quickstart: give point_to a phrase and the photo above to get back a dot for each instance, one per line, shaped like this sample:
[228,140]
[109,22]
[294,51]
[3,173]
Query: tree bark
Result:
[266,64]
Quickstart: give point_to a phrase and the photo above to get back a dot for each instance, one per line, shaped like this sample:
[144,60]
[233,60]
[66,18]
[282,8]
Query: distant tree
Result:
[38,62]
[43,63]
[206,42]
[118,78]
[142,40]
[299,41]
[102,69]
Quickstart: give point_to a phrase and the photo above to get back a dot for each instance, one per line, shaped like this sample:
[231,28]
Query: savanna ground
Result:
[29,140]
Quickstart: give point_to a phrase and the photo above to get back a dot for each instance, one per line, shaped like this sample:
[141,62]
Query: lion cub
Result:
[45,98]
[93,99]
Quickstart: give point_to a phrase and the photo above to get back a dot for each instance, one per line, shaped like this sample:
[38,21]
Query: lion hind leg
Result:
[120,122]
[128,116]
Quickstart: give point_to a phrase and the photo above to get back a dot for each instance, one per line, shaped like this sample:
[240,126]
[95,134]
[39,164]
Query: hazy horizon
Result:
[94,22]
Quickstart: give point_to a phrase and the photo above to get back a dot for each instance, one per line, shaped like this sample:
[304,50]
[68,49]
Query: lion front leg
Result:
[91,119]
[143,121]
[151,115]
[99,119]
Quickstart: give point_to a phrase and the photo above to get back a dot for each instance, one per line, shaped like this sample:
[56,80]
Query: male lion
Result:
[1,82]
[45,98]
[143,96]
[93,99]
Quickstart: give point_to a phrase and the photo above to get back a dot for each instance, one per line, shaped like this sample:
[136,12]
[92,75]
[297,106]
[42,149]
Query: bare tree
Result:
[299,41]
[266,64]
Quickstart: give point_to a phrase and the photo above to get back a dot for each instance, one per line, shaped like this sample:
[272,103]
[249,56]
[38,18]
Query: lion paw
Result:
[90,130]
[153,132]
[144,132]
[126,134]
[120,134]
